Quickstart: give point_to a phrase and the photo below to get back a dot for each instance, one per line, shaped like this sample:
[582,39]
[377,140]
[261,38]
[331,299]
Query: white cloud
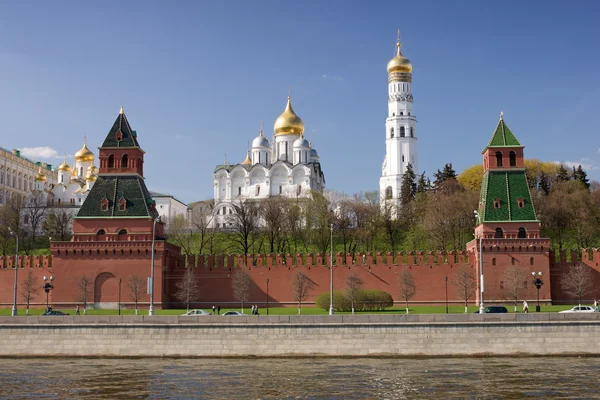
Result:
[38,153]
[332,77]
[585,163]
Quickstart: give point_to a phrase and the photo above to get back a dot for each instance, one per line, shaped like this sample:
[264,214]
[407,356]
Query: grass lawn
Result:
[294,311]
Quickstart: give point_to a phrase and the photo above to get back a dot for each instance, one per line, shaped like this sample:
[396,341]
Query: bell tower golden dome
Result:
[288,123]
[399,64]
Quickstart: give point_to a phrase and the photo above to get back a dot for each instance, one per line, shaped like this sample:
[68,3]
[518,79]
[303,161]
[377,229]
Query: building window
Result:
[522,233]
[402,158]
[230,211]
[513,159]
[111,161]
[124,161]
[498,159]
[494,261]
[401,112]
[521,202]
[122,204]
[496,203]
[531,261]
[103,204]
[299,191]
[123,232]
[100,232]
[257,190]
[239,191]
[412,132]
[499,233]
[280,189]
[392,132]
[388,192]
[402,131]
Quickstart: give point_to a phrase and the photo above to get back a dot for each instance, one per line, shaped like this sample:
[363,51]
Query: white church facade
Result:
[401,129]
[288,166]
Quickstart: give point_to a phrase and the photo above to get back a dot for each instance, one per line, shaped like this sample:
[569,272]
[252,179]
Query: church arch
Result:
[498,159]
[105,291]
[111,161]
[513,158]
[402,131]
[124,161]
[522,233]
[100,232]
[499,233]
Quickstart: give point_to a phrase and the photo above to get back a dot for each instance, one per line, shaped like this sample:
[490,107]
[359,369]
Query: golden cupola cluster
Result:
[288,123]
[64,166]
[92,173]
[84,155]
[40,176]
[399,63]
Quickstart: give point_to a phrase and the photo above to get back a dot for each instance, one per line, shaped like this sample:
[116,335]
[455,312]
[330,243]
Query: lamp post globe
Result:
[538,282]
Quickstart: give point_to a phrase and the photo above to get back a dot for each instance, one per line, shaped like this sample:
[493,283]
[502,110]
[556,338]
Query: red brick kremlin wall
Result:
[379,271]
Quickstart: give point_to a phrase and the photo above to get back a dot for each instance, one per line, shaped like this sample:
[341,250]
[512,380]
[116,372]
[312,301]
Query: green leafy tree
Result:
[408,187]
[580,175]
[563,174]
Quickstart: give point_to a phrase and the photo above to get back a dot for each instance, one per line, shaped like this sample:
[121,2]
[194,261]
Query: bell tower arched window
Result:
[522,233]
[111,161]
[412,132]
[499,233]
[513,159]
[392,132]
[388,192]
[402,131]
[124,161]
[498,159]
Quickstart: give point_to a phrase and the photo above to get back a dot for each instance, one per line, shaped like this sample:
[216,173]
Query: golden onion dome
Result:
[248,160]
[64,166]
[40,177]
[92,168]
[84,154]
[399,63]
[91,176]
[288,122]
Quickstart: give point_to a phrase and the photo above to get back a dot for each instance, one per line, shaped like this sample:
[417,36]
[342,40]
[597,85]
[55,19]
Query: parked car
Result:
[234,313]
[579,309]
[196,312]
[54,313]
[494,310]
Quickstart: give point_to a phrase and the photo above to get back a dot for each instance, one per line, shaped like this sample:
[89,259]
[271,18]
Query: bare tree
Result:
[7,220]
[241,283]
[180,234]
[301,285]
[353,287]
[245,224]
[271,211]
[29,289]
[187,288]
[84,289]
[464,282]
[58,224]
[35,211]
[514,276]
[135,285]
[319,218]
[201,220]
[577,281]
[408,287]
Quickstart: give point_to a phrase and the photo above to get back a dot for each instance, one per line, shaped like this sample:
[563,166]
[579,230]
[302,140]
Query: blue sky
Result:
[197,77]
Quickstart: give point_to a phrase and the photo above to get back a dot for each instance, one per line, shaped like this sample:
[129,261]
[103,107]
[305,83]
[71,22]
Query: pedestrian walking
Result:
[252,309]
[595,305]
[214,308]
[219,309]
[77,310]
[256,310]
[525,306]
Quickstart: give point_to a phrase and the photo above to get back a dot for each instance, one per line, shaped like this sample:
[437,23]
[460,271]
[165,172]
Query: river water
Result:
[316,378]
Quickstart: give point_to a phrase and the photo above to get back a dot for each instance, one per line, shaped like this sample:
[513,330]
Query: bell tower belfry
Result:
[400,127]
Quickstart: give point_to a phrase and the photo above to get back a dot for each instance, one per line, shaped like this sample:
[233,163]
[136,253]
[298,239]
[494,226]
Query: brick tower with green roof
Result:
[506,221]
[114,229]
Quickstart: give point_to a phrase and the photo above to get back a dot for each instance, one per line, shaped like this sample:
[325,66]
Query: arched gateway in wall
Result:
[106,291]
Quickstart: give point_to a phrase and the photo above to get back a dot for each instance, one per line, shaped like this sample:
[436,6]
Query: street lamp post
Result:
[119,300]
[331,274]
[14,307]
[446,279]
[481,302]
[48,286]
[538,282]
[151,310]
[267,296]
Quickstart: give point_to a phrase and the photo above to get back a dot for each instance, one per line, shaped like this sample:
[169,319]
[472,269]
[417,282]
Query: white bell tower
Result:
[400,127]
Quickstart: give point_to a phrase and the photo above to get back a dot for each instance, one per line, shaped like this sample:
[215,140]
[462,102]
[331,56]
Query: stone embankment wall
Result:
[302,336]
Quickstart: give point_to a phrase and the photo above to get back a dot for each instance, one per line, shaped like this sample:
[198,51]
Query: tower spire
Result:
[261,127]
[121,110]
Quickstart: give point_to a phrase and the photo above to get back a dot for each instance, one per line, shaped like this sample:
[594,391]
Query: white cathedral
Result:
[400,126]
[289,166]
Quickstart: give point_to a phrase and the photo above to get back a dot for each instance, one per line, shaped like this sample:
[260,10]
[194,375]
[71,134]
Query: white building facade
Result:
[168,206]
[17,176]
[400,126]
[289,166]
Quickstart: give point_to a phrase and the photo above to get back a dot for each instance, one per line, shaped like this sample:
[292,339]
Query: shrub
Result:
[368,300]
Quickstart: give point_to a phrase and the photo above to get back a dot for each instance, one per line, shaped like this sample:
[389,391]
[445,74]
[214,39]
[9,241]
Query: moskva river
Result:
[316,378]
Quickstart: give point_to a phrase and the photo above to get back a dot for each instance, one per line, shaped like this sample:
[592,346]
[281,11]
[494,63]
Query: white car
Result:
[233,313]
[196,312]
[579,309]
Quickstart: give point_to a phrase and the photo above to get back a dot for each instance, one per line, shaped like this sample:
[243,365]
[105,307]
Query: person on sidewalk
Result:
[219,309]
[77,310]
[525,307]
